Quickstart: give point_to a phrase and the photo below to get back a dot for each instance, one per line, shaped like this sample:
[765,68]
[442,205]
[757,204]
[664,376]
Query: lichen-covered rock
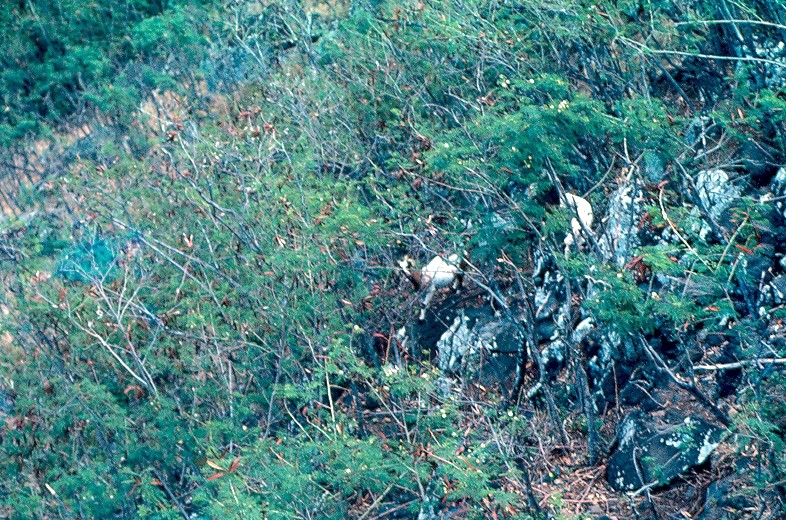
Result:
[771,55]
[717,194]
[474,332]
[553,357]
[647,455]
[581,223]
[715,191]
[610,362]
[778,189]
[454,344]
[611,346]
[583,330]
[620,236]
[546,295]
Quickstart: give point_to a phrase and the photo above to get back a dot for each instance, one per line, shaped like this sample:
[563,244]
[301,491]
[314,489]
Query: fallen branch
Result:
[743,363]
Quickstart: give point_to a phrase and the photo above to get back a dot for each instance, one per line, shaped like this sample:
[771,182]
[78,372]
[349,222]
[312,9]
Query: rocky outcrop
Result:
[778,190]
[716,195]
[476,342]
[770,53]
[650,456]
[620,236]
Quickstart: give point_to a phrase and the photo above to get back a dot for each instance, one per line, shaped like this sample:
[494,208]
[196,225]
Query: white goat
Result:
[437,274]
[583,211]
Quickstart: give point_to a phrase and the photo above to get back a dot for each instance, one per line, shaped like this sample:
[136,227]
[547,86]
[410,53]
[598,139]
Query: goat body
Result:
[583,211]
[437,274]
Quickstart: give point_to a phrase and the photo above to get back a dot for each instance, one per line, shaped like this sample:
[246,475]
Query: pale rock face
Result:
[717,194]
[582,330]
[778,188]
[584,216]
[620,235]
[454,344]
[716,191]
[475,338]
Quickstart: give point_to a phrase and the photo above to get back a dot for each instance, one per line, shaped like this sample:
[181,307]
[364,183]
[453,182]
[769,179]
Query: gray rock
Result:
[609,366]
[620,235]
[583,329]
[546,295]
[778,183]
[501,222]
[454,344]
[647,455]
[498,336]
[716,192]
[772,293]
[475,334]
[760,161]
[778,189]
[427,512]
[553,357]
[772,52]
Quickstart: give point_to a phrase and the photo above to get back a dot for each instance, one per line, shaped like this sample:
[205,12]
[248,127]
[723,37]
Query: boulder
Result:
[455,344]
[475,336]
[727,500]
[716,194]
[553,357]
[547,295]
[650,456]
[620,236]
[760,161]
[772,55]
[778,190]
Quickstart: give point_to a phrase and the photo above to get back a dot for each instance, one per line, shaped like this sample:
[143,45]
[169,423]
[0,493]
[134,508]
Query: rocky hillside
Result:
[430,259]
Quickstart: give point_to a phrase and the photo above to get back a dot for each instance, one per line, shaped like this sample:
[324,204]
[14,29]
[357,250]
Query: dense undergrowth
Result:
[201,298]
